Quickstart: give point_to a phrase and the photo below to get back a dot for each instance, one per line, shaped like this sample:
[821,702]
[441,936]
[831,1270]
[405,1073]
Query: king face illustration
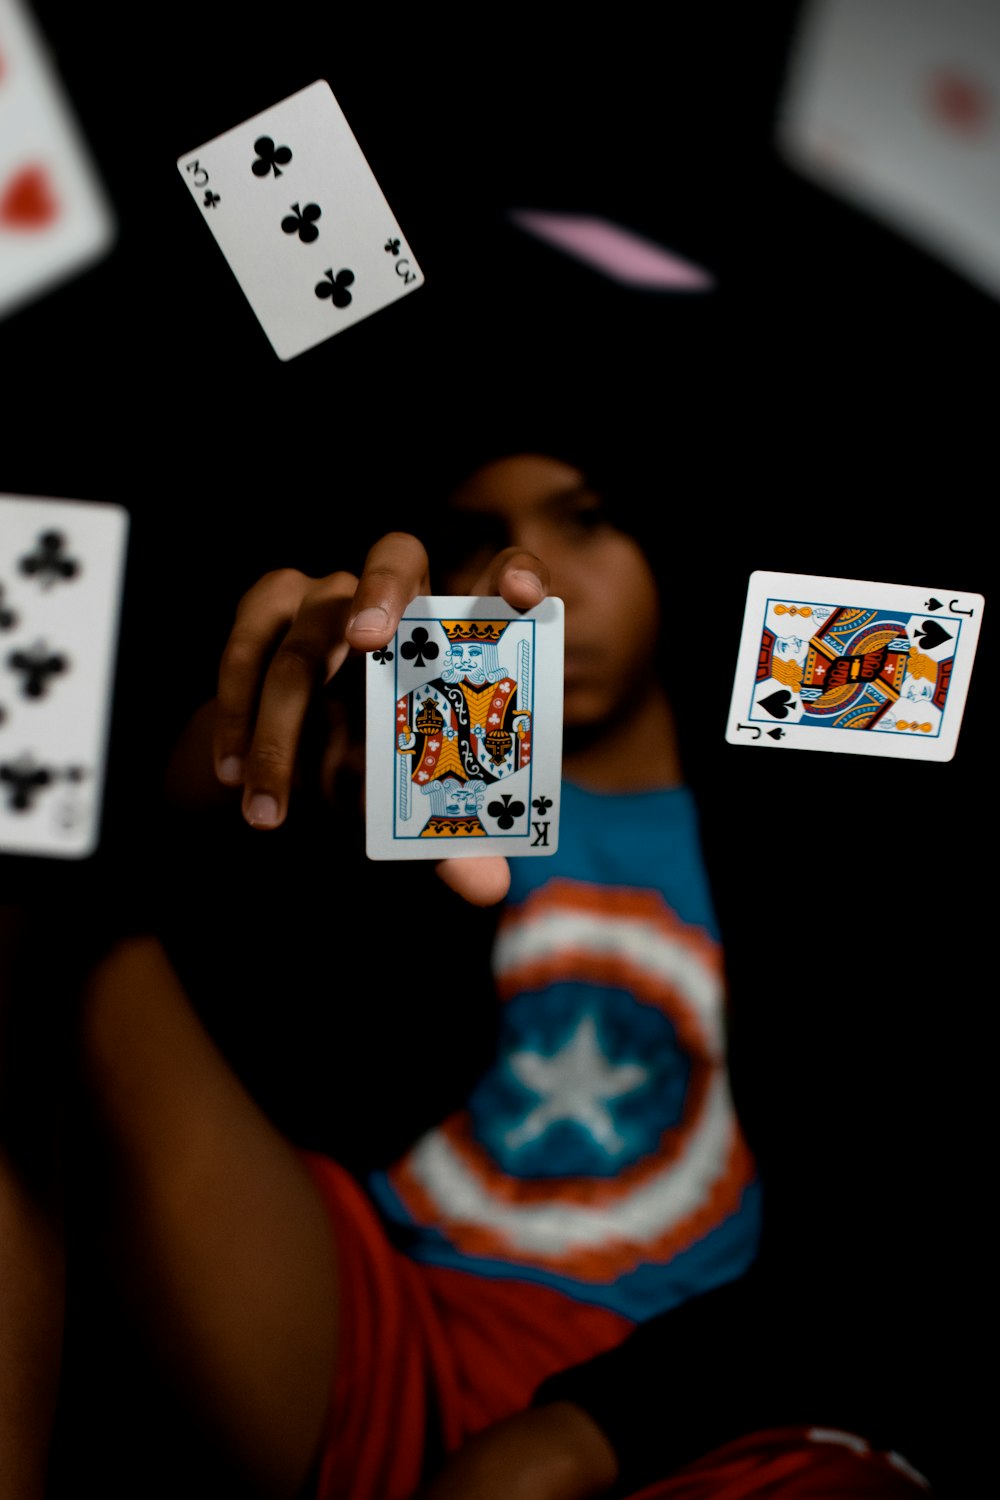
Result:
[463,730]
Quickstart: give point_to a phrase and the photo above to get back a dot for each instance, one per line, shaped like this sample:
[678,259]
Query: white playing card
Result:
[464,731]
[896,106]
[54,216]
[844,664]
[301,220]
[61,577]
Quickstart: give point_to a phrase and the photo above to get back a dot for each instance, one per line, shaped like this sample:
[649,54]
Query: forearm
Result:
[553,1452]
[677,1386]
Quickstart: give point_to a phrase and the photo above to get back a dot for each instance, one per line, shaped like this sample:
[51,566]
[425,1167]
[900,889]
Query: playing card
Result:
[301,220]
[896,106]
[844,664]
[54,217]
[614,250]
[61,577]
[464,731]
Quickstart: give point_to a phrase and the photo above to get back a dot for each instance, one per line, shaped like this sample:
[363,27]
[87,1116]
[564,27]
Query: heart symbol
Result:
[960,102]
[931,634]
[778,703]
[28,201]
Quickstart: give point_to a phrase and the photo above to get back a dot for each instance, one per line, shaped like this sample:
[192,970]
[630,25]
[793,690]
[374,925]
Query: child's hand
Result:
[293,634]
[553,1452]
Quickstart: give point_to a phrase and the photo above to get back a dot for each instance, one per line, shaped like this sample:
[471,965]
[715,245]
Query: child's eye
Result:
[589,516]
[584,520]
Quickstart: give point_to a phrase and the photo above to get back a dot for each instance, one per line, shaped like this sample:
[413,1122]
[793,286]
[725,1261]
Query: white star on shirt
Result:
[572,1085]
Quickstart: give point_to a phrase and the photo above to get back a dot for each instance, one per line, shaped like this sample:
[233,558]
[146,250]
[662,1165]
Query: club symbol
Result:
[419,647]
[392,247]
[542,805]
[931,633]
[38,665]
[383,655]
[210,199]
[22,780]
[270,158]
[8,617]
[505,811]
[302,221]
[49,561]
[335,287]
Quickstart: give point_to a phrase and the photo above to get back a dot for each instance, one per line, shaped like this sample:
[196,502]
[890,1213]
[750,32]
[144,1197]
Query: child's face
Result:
[612,606]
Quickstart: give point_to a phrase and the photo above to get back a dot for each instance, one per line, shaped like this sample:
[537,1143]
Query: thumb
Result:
[480,881]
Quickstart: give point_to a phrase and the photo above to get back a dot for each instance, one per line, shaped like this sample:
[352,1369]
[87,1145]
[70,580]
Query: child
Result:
[595,1177]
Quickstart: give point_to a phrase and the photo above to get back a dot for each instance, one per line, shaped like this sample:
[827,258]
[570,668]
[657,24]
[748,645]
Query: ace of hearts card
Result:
[894,106]
[55,218]
[464,731]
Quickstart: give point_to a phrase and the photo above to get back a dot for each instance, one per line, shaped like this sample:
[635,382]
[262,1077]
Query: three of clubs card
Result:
[301,219]
[62,566]
[464,731]
[847,665]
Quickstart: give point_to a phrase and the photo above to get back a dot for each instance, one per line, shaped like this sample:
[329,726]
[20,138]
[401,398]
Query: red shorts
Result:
[429,1355]
[793,1463]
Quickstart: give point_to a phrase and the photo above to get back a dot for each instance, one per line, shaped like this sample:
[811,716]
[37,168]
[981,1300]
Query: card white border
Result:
[859,592]
[105,526]
[380,755]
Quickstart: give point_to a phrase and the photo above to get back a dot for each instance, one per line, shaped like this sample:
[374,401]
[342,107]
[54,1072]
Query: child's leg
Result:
[32,1273]
[31,1318]
[220,1239]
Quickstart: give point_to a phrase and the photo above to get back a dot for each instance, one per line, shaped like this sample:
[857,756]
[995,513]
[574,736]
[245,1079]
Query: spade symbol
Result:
[931,634]
[776,734]
[933,603]
[778,703]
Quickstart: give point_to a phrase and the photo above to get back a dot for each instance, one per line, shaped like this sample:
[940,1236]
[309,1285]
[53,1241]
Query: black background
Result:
[836,368]
[834,378]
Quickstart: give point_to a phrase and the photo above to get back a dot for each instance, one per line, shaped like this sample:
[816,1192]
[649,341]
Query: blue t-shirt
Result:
[600,1153]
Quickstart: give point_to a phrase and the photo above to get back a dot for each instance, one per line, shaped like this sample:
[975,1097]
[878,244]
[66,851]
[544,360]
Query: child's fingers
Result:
[395,570]
[262,614]
[311,652]
[480,881]
[517,576]
[261,707]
